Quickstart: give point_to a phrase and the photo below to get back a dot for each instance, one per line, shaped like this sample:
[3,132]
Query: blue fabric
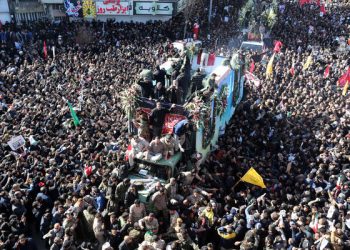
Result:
[101,202]
[179,127]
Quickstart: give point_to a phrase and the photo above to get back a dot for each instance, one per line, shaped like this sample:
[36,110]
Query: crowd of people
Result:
[62,190]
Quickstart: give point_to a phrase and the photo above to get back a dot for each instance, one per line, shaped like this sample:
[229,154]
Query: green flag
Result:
[73,114]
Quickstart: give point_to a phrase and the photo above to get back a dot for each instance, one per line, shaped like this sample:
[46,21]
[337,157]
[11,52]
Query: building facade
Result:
[54,9]
[5,15]
[102,10]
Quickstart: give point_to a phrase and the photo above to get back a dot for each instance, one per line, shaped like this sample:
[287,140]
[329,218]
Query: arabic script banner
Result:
[73,8]
[153,8]
[114,7]
[170,120]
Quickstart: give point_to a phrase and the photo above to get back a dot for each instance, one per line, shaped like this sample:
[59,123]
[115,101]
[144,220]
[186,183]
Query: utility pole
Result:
[210,10]
[187,15]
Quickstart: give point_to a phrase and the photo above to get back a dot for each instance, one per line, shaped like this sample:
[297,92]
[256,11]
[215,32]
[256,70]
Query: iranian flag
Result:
[314,224]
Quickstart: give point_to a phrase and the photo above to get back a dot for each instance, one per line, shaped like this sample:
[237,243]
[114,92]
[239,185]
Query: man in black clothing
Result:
[196,81]
[157,118]
[182,83]
[126,244]
[25,243]
[160,92]
[159,75]
[175,93]
[115,238]
[146,87]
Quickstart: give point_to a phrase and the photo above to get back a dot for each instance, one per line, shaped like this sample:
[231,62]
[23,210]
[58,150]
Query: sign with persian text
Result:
[114,7]
[153,8]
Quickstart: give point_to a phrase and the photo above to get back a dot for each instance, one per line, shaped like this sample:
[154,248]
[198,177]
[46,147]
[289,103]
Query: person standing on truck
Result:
[146,87]
[157,117]
[196,81]
[175,93]
[160,92]
[156,150]
[159,75]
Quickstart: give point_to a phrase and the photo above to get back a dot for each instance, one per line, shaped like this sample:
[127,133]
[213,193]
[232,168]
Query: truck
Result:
[209,117]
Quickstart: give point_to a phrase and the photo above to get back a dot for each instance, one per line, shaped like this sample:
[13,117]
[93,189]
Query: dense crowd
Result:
[63,187]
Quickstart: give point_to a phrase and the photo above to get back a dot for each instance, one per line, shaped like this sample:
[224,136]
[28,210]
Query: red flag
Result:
[195,31]
[278,45]
[252,67]
[170,121]
[292,71]
[45,50]
[88,170]
[344,78]
[326,72]
[302,2]
[199,57]
[323,9]
[211,59]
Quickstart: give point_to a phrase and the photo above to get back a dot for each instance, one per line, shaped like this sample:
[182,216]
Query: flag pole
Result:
[237,183]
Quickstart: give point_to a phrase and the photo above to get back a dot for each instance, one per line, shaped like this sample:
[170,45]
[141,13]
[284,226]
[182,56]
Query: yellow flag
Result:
[269,68]
[345,89]
[308,62]
[254,178]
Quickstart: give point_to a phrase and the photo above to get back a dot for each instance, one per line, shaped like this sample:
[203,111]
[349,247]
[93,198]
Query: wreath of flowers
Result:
[128,99]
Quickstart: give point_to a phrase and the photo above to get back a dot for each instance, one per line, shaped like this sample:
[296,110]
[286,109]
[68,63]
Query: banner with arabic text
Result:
[170,120]
[73,8]
[114,7]
[153,8]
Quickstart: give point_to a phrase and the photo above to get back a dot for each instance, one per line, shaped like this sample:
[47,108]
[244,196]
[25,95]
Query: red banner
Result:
[170,120]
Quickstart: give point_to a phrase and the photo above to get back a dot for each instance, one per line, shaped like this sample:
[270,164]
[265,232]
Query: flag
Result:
[323,9]
[292,70]
[73,114]
[254,178]
[302,2]
[54,51]
[45,50]
[252,79]
[88,170]
[314,224]
[278,46]
[326,72]
[345,89]
[211,59]
[199,57]
[344,78]
[269,68]
[308,62]
[252,67]
[195,31]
